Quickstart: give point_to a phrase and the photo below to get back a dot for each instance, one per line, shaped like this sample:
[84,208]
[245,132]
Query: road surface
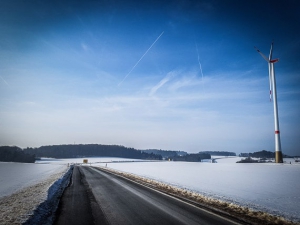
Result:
[97,197]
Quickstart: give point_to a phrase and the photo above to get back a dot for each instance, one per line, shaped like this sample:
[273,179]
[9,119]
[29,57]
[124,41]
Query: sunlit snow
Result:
[15,176]
[270,187]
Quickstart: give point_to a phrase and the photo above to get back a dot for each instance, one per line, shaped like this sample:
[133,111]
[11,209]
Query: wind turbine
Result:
[272,80]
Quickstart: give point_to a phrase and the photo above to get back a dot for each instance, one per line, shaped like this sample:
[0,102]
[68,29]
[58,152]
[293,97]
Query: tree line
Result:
[219,153]
[15,154]
[262,154]
[90,150]
[191,157]
[180,155]
[165,153]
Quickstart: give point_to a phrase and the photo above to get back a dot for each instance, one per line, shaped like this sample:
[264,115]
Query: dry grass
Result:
[242,213]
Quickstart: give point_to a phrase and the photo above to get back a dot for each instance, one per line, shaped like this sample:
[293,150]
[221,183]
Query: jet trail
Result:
[199,61]
[140,58]
[4,81]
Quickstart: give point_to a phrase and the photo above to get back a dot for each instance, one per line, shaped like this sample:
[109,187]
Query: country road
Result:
[97,197]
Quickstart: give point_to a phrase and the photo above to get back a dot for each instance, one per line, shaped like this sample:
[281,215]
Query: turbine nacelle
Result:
[274,61]
[269,60]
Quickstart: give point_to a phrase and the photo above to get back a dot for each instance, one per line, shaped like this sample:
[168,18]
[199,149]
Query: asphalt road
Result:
[78,205]
[103,198]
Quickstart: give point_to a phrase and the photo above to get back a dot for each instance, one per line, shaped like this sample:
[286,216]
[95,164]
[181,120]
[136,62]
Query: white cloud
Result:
[222,112]
[168,77]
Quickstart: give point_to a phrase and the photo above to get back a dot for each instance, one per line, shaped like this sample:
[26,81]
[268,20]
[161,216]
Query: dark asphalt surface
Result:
[119,201]
[78,205]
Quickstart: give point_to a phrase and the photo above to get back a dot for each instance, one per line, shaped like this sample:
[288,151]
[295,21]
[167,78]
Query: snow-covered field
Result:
[16,176]
[270,187]
[27,188]
[93,160]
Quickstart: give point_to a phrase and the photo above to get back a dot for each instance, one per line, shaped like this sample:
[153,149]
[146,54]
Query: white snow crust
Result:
[34,203]
[269,187]
[30,192]
[16,176]
[91,160]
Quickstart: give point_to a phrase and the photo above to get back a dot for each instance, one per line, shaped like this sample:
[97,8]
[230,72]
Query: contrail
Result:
[140,58]
[199,61]
[4,81]
[161,83]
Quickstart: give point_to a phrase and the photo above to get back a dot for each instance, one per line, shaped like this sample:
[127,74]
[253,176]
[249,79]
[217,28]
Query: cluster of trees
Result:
[179,155]
[219,153]
[191,157]
[165,153]
[15,154]
[244,155]
[250,160]
[261,154]
[90,150]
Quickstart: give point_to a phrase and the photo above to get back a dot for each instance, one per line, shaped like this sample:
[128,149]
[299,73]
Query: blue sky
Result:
[175,75]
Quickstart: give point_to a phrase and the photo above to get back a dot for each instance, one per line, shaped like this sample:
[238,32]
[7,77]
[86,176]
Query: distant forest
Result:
[15,154]
[90,150]
[218,153]
[165,153]
[191,157]
[262,154]
[180,155]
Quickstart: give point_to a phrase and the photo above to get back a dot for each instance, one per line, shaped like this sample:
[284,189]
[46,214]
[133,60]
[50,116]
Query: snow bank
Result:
[45,212]
[268,187]
[34,204]
[244,214]
[16,176]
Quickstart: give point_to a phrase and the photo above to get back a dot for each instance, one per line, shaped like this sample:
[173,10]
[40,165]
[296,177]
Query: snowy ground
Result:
[92,160]
[25,187]
[270,187]
[16,176]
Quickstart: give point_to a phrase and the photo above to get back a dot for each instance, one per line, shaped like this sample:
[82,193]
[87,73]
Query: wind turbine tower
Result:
[272,80]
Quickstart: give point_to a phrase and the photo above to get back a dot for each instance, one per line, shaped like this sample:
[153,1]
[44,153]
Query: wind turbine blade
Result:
[270,81]
[262,54]
[271,52]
